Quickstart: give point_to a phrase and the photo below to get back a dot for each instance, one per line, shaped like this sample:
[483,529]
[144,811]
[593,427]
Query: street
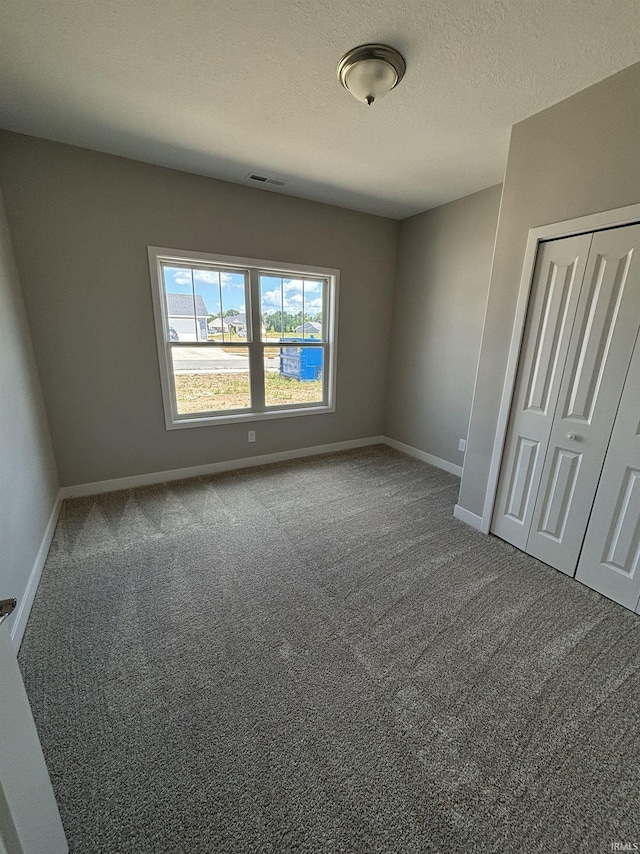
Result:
[214,360]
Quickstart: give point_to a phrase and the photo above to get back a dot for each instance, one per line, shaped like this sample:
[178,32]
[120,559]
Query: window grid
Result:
[255,342]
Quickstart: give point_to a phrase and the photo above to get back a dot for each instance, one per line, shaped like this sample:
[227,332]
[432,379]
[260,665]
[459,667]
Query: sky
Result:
[276,292]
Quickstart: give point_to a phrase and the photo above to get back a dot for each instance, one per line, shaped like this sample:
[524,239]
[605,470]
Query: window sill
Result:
[239,417]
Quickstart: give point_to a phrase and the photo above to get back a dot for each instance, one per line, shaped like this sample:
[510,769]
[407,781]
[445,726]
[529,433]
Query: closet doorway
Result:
[568,490]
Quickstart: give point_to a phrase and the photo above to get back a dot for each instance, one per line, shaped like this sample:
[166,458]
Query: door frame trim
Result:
[568,228]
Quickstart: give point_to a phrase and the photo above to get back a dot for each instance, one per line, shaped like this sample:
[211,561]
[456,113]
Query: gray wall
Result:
[442,280]
[578,157]
[81,222]
[29,481]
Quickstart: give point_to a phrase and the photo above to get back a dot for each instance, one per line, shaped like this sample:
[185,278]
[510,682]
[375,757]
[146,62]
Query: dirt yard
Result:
[215,392]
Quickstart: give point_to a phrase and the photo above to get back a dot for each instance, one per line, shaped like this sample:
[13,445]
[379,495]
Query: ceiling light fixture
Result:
[370,71]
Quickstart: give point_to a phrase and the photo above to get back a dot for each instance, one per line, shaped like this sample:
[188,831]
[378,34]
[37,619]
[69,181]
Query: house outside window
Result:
[242,339]
[181,310]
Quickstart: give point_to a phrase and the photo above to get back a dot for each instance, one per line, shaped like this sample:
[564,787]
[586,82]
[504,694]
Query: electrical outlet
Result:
[251,436]
[462,444]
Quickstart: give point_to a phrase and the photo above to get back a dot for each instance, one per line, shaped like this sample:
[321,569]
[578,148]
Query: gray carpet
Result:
[316,657]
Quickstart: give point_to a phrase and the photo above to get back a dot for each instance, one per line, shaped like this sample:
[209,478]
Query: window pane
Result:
[205,304]
[293,375]
[206,288]
[291,308]
[211,379]
[181,310]
[224,293]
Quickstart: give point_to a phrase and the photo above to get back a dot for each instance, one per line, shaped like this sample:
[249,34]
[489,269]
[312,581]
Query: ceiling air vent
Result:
[264,179]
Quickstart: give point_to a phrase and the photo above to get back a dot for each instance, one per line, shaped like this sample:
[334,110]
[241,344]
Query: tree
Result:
[230,312]
[285,322]
[281,322]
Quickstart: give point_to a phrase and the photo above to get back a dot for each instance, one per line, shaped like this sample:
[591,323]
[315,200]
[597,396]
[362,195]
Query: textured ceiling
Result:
[222,88]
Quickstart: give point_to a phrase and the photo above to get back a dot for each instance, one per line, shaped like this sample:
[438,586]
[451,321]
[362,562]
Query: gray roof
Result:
[236,320]
[310,326]
[181,305]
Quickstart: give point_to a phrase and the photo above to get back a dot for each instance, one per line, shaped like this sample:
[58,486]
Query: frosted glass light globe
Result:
[370,79]
[371,71]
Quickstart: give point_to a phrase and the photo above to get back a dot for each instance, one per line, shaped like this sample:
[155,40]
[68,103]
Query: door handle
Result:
[7,607]
[574,437]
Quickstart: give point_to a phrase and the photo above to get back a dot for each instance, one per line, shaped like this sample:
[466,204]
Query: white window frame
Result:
[255,345]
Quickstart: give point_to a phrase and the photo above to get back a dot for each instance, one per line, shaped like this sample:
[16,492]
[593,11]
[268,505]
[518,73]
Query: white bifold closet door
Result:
[604,333]
[557,280]
[580,333]
[610,559]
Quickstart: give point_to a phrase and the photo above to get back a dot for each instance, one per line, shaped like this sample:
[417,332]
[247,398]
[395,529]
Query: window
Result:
[240,339]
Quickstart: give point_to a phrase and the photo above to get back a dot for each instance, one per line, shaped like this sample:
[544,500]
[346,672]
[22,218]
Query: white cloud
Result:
[291,300]
[208,276]
[183,277]
[292,285]
[227,280]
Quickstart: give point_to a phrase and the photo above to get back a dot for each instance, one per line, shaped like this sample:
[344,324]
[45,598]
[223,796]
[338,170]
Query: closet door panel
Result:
[601,344]
[557,280]
[610,559]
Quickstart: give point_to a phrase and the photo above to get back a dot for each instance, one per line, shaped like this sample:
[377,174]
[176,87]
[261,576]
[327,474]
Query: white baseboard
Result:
[469,518]
[19,619]
[452,468]
[100,486]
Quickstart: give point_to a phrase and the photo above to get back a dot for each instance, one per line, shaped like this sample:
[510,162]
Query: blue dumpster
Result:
[301,363]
